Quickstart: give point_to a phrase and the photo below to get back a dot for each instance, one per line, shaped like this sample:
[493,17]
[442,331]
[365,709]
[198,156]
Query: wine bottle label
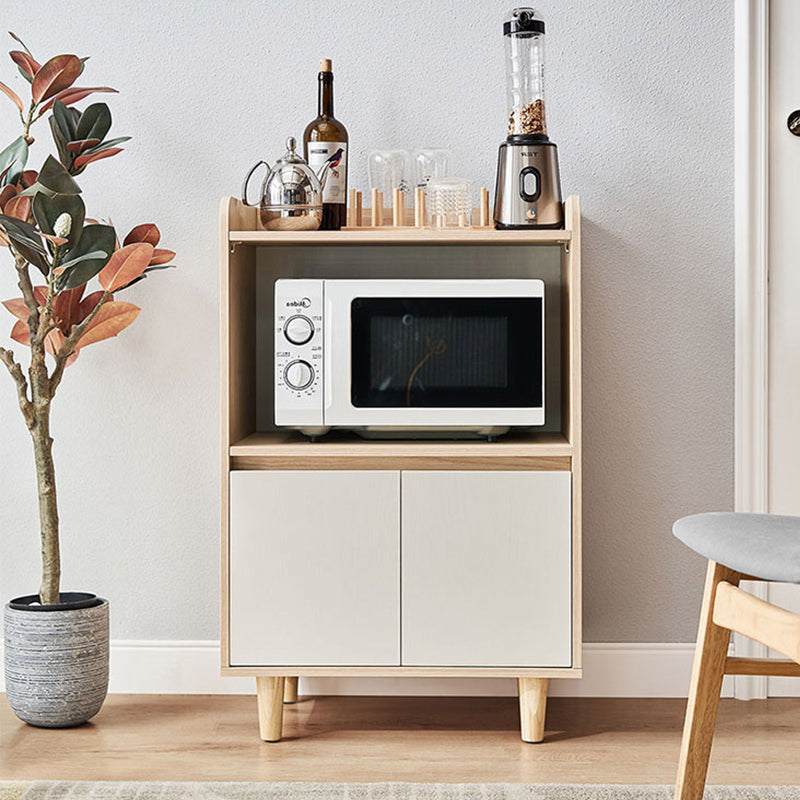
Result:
[329,161]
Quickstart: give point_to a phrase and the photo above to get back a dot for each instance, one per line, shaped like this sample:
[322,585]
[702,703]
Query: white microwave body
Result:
[409,356]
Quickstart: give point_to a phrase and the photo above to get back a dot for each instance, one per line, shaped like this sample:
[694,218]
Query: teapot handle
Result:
[247,181]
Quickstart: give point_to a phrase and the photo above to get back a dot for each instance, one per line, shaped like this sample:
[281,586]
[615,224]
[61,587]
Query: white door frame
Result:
[752,306]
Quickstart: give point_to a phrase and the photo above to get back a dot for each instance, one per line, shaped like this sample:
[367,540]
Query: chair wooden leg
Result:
[532,708]
[707,675]
[290,690]
[270,708]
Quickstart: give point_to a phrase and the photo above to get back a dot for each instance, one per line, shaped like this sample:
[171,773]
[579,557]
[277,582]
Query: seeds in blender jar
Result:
[527,119]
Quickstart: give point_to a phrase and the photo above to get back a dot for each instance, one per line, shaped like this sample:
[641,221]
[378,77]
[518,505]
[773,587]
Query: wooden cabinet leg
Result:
[270,708]
[532,708]
[290,690]
[707,675]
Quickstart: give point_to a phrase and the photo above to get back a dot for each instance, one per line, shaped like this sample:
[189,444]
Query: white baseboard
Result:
[628,669]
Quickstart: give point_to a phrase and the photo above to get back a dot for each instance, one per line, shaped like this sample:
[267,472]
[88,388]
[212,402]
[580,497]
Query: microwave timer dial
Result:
[298,374]
[298,329]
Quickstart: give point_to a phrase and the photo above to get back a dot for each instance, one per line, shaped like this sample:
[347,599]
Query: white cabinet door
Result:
[314,568]
[486,577]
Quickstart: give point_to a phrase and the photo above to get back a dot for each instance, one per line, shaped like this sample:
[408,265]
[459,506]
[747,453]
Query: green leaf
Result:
[95,122]
[102,238]
[26,242]
[22,231]
[13,160]
[106,145]
[95,254]
[65,121]
[47,209]
[54,176]
[64,156]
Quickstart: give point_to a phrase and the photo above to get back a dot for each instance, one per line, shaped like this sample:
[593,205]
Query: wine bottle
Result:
[325,150]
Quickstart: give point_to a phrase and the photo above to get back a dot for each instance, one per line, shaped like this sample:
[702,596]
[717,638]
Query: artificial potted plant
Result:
[56,644]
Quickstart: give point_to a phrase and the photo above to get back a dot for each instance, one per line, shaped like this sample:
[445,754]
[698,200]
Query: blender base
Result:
[528,189]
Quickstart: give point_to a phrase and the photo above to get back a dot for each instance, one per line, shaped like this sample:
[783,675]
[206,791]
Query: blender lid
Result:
[522,22]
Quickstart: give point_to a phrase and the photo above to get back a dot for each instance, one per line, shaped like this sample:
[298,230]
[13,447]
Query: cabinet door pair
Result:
[412,568]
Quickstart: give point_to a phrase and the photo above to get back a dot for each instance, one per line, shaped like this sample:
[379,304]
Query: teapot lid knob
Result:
[291,144]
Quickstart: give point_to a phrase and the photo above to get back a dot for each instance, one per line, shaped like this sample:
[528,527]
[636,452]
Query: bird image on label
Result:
[328,160]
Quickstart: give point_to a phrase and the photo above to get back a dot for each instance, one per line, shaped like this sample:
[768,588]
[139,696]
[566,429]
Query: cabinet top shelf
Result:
[389,235]
[239,223]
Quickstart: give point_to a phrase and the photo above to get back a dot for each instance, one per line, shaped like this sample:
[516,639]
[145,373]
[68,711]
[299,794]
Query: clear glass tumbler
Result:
[448,203]
[428,163]
[388,170]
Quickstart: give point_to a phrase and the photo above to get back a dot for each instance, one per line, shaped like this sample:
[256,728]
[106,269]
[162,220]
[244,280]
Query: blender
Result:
[528,189]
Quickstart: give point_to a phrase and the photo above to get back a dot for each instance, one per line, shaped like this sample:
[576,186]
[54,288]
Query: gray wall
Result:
[640,103]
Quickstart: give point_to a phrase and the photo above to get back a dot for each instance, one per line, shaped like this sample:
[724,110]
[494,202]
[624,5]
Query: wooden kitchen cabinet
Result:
[486,567]
[352,557]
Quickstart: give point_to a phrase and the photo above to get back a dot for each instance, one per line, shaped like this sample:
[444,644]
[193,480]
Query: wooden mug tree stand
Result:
[517,501]
[397,215]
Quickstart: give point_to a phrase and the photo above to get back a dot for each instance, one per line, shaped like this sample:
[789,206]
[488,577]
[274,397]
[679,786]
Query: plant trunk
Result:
[48,506]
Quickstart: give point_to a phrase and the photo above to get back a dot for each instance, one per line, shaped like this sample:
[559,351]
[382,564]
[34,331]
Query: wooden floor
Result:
[139,737]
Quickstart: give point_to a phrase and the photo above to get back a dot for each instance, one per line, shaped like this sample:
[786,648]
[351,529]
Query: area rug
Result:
[70,790]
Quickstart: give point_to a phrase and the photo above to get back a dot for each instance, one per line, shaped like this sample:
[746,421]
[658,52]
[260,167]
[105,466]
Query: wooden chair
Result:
[761,547]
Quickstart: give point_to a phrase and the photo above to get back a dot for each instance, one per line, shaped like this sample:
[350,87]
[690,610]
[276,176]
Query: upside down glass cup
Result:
[448,204]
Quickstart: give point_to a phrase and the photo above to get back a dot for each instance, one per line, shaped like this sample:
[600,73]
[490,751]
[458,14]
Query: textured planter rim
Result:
[69,601]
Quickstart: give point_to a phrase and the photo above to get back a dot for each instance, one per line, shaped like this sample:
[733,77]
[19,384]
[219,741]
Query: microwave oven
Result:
[410,358]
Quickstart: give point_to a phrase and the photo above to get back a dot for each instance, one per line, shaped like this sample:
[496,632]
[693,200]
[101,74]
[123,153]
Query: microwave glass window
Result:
[460,352]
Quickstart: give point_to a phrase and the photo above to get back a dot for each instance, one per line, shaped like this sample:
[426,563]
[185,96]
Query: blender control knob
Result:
[298,329]
[298,374]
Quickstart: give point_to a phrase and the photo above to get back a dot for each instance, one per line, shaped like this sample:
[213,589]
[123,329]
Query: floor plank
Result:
[190,737]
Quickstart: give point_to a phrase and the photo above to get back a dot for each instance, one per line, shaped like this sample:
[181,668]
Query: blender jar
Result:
[523,31]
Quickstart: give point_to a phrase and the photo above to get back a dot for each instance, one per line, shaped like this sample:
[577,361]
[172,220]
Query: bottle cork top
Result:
[325,65]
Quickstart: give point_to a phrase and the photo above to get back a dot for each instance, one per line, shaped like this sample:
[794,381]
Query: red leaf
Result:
[20,333]
[57,74]
[148,232]
[125,265]
[66,308]
[110,320]
[76,93]
[28,178]
[18,308]
[29,65]
[81,161]
[19,207]
[54,342]
[161,256]
[87,305]
[40,294]
[12,94]
[6,193]
[4,240]
[58,240]
[81,145]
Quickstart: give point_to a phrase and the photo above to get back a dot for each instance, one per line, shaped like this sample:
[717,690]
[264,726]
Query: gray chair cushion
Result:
[762,545]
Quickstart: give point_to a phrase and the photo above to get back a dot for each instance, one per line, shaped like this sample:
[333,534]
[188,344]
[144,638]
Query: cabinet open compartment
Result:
[260,461]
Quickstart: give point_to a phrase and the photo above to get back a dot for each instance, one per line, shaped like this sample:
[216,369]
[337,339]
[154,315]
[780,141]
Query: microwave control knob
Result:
[298,329]
[298,374]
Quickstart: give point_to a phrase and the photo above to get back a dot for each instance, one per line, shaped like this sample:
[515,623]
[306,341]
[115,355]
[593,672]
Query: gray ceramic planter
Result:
[57,660]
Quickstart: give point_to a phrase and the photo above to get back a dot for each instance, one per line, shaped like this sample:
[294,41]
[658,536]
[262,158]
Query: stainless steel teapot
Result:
[291,193]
